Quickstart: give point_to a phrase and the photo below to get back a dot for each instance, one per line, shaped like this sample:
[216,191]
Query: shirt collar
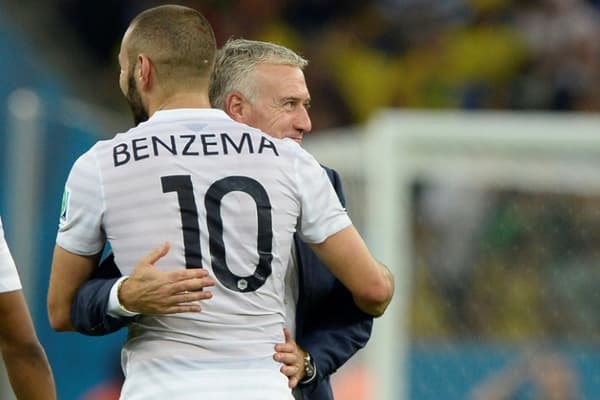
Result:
[178,113]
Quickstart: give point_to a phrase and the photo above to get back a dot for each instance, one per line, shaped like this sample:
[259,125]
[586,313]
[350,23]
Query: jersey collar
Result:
[178,113]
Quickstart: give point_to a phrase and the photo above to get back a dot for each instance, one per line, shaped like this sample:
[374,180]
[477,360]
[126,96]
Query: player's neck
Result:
[180,100]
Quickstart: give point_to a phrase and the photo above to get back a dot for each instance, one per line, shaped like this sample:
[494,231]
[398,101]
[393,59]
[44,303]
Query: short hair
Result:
[236,61]
[179,40]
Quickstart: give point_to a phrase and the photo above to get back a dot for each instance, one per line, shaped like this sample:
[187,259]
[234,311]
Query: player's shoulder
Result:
[88,158]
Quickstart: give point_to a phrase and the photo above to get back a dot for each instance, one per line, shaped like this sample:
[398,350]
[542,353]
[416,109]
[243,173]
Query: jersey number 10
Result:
[182,185]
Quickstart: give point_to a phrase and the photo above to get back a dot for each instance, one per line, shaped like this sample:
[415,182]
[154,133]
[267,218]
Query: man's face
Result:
[129,88]
[280,108]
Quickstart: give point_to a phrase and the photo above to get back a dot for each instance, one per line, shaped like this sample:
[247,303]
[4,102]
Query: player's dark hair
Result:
[179,41]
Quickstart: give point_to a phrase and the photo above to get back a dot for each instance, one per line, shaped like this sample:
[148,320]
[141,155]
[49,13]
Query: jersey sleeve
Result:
[9,278]
[80,226]
[322,213]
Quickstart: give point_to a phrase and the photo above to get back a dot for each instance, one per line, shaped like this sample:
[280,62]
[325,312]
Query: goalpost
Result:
[546,152]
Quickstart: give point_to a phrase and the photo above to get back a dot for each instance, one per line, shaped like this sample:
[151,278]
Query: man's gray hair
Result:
[236,61]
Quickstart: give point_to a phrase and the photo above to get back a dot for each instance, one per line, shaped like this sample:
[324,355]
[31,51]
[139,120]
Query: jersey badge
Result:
[64,207]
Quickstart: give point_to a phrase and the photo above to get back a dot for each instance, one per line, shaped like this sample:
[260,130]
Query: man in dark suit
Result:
[262,85]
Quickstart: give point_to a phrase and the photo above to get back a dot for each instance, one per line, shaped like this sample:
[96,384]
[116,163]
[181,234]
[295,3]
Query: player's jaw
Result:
[140,114]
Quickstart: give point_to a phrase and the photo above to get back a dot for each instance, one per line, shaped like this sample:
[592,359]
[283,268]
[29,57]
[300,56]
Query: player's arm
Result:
[25,360]
[343,252]
[348,258]
[69,272]
[333,328]
[80,238]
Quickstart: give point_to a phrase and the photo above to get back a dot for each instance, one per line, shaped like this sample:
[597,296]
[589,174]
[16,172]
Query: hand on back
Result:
[149,290]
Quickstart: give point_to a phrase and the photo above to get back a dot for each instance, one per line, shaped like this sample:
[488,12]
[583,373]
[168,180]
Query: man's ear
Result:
[236,106]
[145,72]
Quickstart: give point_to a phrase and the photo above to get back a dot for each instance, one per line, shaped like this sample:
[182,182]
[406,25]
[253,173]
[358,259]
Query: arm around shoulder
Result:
[348,258]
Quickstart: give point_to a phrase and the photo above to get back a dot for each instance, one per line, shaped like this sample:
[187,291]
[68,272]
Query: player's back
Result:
[219,192]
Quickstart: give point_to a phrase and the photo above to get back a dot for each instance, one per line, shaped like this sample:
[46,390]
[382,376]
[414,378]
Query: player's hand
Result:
[292,358]
[149,290]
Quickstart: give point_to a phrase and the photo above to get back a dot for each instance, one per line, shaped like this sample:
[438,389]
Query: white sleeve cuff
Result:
[115,308]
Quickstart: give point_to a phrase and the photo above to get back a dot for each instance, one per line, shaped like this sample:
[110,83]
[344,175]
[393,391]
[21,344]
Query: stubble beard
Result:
[139,113]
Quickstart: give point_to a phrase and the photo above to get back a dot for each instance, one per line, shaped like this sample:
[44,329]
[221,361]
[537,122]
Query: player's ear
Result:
[144,71]
[235,106]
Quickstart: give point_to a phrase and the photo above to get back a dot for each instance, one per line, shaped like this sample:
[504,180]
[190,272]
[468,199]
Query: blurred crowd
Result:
[371,54]
[527,269]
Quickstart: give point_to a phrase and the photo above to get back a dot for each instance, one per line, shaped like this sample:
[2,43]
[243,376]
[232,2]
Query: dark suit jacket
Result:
[328,324]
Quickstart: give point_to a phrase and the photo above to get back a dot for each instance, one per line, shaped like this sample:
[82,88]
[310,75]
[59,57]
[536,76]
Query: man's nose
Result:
[302,121]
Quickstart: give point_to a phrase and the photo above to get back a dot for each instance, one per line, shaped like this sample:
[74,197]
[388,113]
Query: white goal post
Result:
[549,152]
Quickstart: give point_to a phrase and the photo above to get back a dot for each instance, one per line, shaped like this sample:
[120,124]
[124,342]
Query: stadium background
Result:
[522,282]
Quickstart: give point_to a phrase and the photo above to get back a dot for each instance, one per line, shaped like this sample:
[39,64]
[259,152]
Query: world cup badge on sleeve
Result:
[64,207]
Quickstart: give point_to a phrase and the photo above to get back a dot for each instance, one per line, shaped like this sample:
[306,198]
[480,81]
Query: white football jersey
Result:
[228,198]
[9,278]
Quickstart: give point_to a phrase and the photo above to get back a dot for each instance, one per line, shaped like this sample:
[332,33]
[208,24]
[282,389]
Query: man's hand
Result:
[292,358]
[151,291]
